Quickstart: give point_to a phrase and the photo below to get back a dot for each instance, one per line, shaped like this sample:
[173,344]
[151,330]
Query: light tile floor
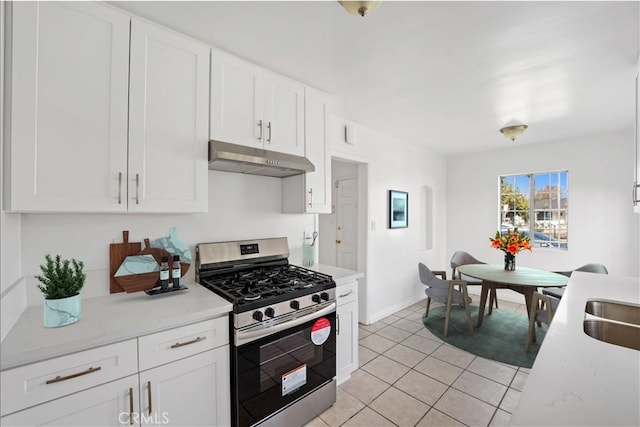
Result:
[409,377]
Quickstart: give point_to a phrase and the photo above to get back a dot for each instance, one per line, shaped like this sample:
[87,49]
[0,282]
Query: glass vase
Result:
[509,262]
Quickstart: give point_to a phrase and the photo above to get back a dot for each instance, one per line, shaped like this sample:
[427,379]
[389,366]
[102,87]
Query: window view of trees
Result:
[538,202]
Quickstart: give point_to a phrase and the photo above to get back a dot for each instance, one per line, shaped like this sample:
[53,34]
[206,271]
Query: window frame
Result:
[560,211]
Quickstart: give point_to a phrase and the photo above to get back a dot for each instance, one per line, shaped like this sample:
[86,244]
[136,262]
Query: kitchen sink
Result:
[620,334]
[616,311]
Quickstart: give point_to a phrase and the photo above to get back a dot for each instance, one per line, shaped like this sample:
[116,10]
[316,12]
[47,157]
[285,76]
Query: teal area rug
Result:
[502,336]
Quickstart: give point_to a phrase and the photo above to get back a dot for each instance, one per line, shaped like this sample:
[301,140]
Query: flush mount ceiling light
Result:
[513,132]
[360,8]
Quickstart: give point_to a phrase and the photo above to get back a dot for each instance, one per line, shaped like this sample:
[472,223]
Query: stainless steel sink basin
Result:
[619,312]
[613,333]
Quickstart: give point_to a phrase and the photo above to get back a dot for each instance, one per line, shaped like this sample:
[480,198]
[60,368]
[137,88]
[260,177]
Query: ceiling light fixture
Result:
[360,8]
[513,132]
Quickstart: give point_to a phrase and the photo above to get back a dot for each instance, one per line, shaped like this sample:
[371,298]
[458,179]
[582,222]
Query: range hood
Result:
[227,157]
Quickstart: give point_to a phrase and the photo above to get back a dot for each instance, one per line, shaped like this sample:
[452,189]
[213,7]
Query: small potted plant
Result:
[61,283]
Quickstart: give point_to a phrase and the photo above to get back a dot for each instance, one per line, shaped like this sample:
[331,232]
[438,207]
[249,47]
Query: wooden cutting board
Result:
[158,253]
[117,253]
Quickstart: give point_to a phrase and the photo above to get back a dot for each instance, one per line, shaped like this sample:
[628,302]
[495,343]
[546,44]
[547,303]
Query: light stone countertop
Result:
[106,320]
[576,379]
[341,276]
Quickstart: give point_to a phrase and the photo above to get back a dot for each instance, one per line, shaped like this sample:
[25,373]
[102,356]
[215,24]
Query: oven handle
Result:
[247,337]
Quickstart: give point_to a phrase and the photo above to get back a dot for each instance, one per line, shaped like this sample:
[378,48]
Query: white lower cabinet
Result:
[347,339]
[190,392]
[175,377]
[111,404]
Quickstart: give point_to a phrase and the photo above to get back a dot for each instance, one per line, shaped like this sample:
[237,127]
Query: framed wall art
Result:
[398,209]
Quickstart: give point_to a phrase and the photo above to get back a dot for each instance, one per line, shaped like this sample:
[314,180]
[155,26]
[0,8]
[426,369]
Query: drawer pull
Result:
[346,295]
[68,377]
[131,405]
[193,341]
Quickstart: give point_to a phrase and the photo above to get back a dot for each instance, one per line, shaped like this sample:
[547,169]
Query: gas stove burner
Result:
[262,286]
[256,273]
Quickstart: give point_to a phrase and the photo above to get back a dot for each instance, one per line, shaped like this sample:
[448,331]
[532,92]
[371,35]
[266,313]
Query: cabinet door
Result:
[111,404]
[236,101]
[68,105]
[318,182]
[168,121]
[284,115]
[347,340]
[189,392]
[311,192]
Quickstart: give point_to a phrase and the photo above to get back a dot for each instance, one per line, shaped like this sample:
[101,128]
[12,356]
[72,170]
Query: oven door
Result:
[272,372]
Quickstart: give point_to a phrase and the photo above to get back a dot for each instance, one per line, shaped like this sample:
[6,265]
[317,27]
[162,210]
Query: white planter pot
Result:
[61,312]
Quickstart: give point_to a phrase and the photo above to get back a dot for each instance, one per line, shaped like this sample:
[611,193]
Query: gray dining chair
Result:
[543,307]
[443,291]
[463,258]
[588,268]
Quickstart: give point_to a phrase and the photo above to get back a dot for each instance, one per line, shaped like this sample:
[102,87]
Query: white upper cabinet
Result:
[254,107]
[168,121]
[311,192]
[87,137]
[636,183]
[69,65]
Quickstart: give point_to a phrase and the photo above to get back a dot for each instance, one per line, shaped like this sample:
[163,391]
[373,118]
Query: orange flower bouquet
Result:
[510,243]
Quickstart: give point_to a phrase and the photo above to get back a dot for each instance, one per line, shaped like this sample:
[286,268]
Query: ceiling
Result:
[447,75]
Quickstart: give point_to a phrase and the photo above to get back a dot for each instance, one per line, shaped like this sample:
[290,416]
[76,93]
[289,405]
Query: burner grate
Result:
[262,286]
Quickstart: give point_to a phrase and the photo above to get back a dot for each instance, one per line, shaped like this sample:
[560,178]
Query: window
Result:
[539,202]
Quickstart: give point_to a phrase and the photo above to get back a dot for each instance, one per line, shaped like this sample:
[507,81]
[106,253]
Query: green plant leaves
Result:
[61,278]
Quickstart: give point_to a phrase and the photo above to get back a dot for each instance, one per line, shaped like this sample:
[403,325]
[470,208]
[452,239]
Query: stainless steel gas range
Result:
[282,330]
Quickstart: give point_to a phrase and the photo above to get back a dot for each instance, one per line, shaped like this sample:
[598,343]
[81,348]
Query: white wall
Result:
[393,255]
[602,225]
[240,207]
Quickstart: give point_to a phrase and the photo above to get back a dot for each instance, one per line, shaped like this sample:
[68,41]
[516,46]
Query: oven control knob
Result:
[324,296]
[295,305]
[315,298]
[257,315]
[270,312]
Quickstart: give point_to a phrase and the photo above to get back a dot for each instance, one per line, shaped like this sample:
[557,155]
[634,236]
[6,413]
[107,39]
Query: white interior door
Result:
[347,223]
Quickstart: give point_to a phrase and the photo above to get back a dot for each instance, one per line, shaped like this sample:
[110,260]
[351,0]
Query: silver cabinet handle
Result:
[635,193]
[269,132]
[149,395]
[193,341]
[76,375]
[130,405]
[260,126]
[119,188]
[137,189]
[311,197]
[346,295]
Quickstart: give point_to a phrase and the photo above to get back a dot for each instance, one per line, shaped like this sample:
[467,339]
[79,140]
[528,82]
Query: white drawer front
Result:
[43,381]
[167,346]
[347,293]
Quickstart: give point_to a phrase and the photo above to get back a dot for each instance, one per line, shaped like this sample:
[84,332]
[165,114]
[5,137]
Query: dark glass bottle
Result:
[175,272]
[164,273]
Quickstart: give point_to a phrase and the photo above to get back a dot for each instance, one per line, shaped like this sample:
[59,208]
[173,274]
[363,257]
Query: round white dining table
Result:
[522,280]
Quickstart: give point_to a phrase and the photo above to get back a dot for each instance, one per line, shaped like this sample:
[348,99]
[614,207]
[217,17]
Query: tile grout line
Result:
[411,368]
